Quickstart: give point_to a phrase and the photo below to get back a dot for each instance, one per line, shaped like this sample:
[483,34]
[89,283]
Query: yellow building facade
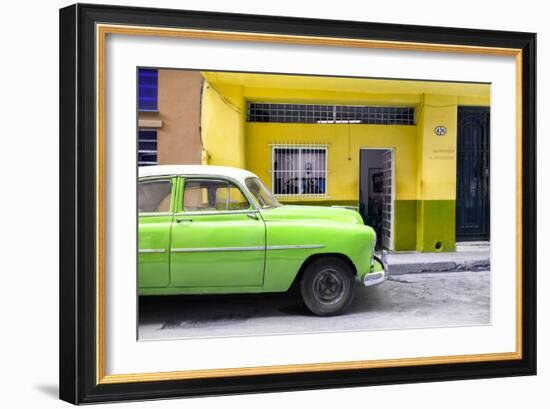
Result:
[424,161]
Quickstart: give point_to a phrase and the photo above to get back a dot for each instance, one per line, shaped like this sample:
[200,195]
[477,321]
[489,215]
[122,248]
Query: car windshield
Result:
[263,197]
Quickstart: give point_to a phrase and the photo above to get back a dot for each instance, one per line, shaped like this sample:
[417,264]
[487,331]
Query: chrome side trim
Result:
[215,212]
[296,247]
[251,248]
[151,250]
[153,214]
[215,249]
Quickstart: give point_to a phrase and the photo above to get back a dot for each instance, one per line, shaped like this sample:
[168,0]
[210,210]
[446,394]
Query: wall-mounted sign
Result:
[440,130]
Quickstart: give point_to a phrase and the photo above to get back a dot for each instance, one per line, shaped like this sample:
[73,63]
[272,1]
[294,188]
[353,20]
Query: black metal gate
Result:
[472,177]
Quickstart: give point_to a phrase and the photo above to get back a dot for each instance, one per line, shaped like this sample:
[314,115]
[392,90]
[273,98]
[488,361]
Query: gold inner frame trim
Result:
[102,30]
[282,369]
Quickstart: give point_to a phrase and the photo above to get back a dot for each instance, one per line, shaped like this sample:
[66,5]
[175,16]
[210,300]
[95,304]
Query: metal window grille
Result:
[330,114]
[147,147]
[147,89]
[299,170]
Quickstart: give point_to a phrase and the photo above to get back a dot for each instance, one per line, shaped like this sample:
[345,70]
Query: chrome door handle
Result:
[184,219]
[253,216]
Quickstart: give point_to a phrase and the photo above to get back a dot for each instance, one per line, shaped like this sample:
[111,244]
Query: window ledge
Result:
[150,123]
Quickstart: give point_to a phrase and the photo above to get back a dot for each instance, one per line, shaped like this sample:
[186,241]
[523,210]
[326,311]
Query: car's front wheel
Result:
[327,286]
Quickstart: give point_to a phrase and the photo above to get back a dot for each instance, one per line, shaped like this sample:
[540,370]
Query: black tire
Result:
[327,286]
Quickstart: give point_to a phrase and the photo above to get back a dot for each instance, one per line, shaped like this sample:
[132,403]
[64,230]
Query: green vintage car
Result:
[219,230]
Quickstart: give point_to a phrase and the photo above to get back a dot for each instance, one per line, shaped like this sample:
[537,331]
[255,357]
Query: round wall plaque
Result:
[440,130]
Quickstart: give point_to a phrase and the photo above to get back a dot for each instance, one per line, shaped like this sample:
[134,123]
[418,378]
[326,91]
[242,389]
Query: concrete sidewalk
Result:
[464,259]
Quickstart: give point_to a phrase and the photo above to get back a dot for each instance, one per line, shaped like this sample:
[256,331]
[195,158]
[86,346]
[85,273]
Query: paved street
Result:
[404,301]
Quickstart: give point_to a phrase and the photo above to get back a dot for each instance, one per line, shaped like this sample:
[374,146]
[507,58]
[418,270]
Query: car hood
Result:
[296,212]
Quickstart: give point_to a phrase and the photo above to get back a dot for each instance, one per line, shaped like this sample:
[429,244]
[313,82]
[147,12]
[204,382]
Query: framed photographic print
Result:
[257,203]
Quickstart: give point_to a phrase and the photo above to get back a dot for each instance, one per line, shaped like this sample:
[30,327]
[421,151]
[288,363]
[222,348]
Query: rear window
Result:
[154,196]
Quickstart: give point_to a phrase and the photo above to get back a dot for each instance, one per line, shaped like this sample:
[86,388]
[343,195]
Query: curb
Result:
[438,267]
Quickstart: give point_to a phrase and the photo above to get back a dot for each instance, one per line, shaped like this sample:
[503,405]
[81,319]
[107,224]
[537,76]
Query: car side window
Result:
[210,195]
[154,196]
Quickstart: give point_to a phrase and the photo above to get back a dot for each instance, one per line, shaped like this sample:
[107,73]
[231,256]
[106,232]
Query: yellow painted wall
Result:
[478,101]
[425,164]
[223,115]
[320,96]
[229,140]
[304,86]
[437,154]
[344,142]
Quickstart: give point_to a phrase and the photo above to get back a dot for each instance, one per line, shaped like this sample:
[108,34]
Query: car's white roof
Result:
[196,170]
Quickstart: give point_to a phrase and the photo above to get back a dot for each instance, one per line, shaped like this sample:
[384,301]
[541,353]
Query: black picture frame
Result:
[78,258]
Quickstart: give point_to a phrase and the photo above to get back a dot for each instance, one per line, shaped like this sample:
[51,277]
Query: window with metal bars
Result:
[299,170]
[147,89]
[147,147]
[330,114]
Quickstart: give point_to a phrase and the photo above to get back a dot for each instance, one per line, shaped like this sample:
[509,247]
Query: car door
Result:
[155,212]
[218,237]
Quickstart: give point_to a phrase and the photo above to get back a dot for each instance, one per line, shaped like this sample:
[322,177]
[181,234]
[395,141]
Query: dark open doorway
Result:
[376,193]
